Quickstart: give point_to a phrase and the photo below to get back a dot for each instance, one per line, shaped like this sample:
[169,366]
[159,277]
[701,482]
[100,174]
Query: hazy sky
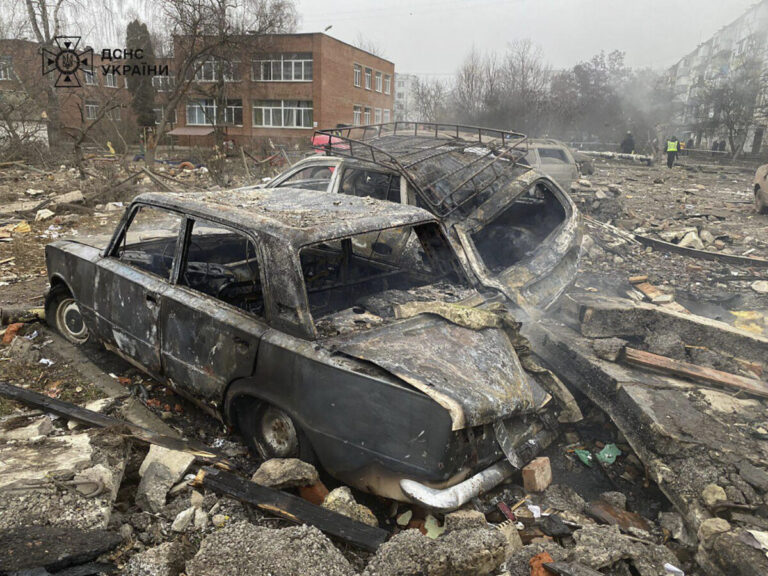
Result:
[433,36]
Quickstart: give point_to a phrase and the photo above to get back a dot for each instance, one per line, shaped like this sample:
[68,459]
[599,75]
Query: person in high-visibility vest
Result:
[671,151]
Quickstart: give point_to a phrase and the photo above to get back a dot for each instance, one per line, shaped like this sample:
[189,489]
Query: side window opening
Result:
[379,185]
[553,156]
[149,243]
[224,264]
[312,178]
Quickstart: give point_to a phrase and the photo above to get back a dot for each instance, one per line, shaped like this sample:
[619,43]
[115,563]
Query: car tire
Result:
[63,314]
[761,200]
[270,432]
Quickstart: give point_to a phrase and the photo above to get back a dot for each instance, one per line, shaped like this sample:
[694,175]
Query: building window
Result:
[159,115]
[387,116]
[201,112]
[378,81]
[368,75]
[163,83]
[357,115]
[282,114]
[115,113]
[358,80]
[91,110]
[230,71]
[367,116]
[90,79]
[6,68]
[283,68]
[206,72]
[233,112]
[110,80]
[377,116]
[387,84]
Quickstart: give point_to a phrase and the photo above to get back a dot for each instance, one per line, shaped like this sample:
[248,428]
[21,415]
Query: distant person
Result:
[689,145]
[671,151]
[722,146]
[681,148]
[715,147]
[628,144]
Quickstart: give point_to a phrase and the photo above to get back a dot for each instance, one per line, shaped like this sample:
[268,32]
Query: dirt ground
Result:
[618,200]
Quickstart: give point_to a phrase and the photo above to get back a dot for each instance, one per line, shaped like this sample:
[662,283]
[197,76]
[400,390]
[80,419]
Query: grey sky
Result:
[433,36]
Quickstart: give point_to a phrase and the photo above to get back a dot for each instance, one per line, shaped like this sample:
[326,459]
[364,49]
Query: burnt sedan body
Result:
[514,228]
[321,326]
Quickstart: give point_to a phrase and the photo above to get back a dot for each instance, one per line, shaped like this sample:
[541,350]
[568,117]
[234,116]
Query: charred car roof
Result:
[296,216]
[448,165]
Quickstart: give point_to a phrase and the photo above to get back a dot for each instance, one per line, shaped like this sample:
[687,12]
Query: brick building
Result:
[24,104]
[278,87]
[284,86]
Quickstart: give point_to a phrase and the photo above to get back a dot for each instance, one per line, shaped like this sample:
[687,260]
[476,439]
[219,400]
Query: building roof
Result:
[296,216]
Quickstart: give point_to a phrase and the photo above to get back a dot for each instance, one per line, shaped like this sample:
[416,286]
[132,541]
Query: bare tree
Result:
[369,45]
[93,109]
[431,96]
[469,92]
[728,103]
[212,33]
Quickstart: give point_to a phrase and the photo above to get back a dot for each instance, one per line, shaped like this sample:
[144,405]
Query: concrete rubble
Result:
[687,490]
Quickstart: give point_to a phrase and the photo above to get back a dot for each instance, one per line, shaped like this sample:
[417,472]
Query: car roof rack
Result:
[448,165]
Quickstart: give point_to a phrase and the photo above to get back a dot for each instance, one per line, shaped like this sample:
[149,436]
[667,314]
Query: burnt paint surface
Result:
[358,418]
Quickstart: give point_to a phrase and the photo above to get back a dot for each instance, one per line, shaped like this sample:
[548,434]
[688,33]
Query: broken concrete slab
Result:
[9,430]
[282,473]
[687,436]
[61,480]
[243,548]
[160,470]
[167,559]
[464,519]
[459,553]
[136,413]
[343,502]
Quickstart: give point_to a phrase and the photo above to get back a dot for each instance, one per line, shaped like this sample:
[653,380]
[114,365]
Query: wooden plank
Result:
[74,412]
[292,508]
[695,372]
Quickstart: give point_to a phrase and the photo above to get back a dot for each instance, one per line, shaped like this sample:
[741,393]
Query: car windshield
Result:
[372,271]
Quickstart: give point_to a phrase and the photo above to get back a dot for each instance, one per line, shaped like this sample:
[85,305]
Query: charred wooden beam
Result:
[71,411]
[292,508]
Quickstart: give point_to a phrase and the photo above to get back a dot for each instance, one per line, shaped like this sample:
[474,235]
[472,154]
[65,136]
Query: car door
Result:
[131,281]
[213,316]
[558,165]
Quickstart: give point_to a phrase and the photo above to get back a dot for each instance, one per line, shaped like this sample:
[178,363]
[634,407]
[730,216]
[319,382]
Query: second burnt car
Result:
[513,227]
[320,326]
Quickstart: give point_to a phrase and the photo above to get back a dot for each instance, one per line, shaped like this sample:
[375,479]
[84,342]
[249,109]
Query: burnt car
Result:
[320,326]
[515,229]
[760,185]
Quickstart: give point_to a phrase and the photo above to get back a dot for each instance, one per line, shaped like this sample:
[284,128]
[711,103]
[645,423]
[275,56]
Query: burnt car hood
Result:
[474,374]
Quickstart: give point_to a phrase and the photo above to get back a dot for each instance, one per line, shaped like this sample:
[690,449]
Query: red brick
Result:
[315,493]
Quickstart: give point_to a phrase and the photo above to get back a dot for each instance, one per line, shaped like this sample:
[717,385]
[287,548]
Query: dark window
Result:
[311,178]
[553,156]
[224,264]
[379,185]
[150,241]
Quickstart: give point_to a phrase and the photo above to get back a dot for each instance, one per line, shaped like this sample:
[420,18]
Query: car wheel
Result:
[64,314]
[761,200]
[270,432]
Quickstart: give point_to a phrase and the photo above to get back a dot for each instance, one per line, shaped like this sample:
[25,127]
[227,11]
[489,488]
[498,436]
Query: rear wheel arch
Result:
[247,411]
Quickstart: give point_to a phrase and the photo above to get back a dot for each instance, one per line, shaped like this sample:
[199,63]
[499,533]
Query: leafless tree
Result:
[106,102]
[470,89]
[215,32]
[369,45]
[431,97]
[728,103]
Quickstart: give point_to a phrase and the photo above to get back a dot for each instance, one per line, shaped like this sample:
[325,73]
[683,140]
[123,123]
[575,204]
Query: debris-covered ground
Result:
[663,476]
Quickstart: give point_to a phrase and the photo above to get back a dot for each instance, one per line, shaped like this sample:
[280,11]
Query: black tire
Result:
[63,314]
[270,432]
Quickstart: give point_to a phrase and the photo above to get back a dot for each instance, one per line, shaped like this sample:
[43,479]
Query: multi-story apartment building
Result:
[405,97]
[279,87]
[714,60]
